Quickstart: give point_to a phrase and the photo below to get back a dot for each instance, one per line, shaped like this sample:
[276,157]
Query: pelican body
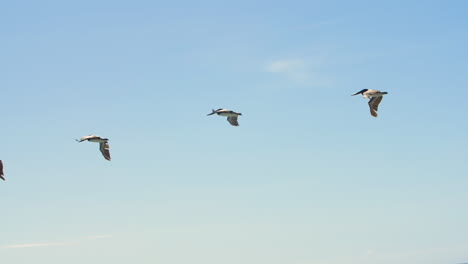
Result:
[375,97]
[103,144]
[231,115]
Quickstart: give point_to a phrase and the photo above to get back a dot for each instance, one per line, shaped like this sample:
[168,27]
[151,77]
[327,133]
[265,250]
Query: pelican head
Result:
[215,111]
[360,92]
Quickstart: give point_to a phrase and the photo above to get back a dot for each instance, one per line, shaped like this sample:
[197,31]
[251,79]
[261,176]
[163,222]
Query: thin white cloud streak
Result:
[33,245]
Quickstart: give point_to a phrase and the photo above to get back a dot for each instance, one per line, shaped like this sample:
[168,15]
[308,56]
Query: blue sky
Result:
[309,177]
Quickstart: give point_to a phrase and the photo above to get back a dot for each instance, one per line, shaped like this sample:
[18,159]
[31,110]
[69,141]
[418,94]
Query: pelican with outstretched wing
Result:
[231,115]
[103,144]
[375,97]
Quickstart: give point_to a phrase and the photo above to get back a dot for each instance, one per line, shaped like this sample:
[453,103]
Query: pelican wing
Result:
[86,138]
[374,105]
[233,120]
[1,170]
[104,148]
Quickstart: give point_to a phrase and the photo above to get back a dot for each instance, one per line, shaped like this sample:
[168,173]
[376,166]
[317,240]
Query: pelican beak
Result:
[211,114]
[360,92]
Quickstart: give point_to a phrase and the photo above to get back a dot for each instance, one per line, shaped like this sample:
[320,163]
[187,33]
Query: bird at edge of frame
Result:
[1,170]
[103,144]
[375,97]
[231,115]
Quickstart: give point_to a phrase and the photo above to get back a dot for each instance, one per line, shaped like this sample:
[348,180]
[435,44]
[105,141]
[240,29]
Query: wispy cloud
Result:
[285,66]
[301,71]
[32,245]
[369,253]
[294,69]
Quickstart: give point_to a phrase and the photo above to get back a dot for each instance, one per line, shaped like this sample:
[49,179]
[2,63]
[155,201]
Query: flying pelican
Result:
[375,97]
[1,170]
[103,144]
[231,115]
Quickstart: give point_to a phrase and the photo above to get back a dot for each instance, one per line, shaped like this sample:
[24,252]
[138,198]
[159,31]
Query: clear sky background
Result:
[309,177]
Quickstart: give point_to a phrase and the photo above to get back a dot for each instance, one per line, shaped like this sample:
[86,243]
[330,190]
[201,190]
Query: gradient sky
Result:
[309,177]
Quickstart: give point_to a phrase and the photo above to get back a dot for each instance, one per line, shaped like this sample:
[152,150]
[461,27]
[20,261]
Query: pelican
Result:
[231,115]
[1,170]
[103,144]
[375,97]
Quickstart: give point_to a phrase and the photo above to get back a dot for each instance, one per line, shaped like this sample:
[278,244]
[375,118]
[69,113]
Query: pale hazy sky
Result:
[309,177]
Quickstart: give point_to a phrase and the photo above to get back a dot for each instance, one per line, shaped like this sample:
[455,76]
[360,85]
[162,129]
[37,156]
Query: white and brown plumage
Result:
[1,170]
[103,144]
[231,115]
[375,97]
